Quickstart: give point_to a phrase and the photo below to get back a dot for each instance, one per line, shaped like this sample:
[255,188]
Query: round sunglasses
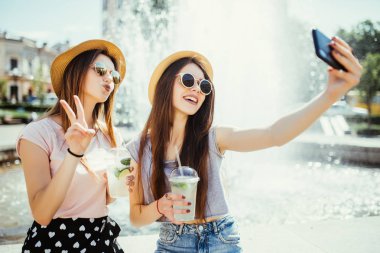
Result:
[188,81]
[101,69]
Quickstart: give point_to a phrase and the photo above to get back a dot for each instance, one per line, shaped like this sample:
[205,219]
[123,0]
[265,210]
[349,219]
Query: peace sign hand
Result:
[78,136]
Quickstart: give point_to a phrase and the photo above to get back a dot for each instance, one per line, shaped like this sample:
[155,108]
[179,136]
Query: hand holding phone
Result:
[323,49]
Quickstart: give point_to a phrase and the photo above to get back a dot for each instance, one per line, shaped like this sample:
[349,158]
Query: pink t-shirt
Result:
[86,196]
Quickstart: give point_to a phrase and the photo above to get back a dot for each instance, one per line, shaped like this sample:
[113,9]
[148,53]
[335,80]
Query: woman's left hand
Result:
[130,181]
[339,82]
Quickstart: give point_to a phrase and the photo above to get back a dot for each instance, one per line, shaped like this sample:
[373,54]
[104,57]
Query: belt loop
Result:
[215,226]
[180,229]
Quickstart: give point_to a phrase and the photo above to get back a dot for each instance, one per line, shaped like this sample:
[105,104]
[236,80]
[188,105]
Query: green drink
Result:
[117,171]
[184,180]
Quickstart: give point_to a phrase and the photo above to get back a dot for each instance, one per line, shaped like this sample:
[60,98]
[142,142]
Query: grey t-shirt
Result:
[216,204]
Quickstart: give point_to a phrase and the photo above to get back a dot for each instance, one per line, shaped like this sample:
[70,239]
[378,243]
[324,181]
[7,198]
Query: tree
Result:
[38,84]
[370,82]
[364,38]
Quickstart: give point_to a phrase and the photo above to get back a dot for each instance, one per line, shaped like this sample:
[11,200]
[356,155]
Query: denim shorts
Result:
[219,236]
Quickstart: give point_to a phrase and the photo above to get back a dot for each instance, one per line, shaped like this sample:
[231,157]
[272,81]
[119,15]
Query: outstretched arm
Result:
[291,125]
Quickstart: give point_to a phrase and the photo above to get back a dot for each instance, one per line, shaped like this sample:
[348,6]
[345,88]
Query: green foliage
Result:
[370,82]
[38,83]
[364,38]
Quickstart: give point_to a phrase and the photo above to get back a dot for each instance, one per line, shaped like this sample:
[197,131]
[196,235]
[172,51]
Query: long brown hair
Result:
[195,147]
[73,84]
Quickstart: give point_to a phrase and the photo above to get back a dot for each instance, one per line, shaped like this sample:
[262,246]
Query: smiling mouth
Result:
[190,99]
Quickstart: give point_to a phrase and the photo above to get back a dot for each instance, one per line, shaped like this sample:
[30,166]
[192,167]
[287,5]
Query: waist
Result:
[205,227]
[206,220]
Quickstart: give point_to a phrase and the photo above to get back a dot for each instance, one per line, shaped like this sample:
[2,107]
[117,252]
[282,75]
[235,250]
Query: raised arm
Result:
[291,125]
[46,193]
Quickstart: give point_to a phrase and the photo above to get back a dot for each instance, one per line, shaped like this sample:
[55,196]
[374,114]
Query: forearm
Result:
[142,215]
[290,126]
[47,201]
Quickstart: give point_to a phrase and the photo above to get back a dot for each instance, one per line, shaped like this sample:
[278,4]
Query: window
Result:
[14,63]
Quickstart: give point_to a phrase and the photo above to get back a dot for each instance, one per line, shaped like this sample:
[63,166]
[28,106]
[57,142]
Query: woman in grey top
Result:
[182,97]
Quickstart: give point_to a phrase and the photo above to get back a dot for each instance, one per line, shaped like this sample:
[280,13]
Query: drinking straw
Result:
[179,161]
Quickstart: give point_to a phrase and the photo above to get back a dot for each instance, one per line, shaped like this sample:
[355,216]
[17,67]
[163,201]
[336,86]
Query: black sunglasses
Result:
[188,81]
[101,69]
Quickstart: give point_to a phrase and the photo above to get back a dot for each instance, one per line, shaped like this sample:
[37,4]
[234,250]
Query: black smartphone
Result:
[323,49]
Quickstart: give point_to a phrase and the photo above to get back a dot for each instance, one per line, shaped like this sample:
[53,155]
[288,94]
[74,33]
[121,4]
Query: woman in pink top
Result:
[67,197]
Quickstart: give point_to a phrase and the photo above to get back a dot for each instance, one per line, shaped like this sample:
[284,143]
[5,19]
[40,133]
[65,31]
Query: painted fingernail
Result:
[189,203]
[183,197]
[187,211]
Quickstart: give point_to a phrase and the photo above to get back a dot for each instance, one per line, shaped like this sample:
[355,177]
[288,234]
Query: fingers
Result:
[173,196]
[130,183]
[342,43]
[171,200]
[345,57]
[350,78]
[82,129]
[70,113]
[180,203]
[80,111]
[77,131]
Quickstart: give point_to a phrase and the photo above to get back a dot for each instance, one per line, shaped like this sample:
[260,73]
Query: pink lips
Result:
[107,87]
[193,99]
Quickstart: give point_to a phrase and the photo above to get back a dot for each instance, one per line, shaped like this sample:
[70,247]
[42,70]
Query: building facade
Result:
[25,68]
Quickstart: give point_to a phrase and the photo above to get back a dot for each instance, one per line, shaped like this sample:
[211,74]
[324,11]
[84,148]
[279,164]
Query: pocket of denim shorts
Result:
[168,235]
[229,233]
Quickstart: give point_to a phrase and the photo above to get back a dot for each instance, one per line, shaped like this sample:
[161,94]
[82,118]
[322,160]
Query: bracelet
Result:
[158,210]
[73,154]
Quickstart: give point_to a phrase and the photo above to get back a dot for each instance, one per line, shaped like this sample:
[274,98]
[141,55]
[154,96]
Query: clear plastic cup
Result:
[117,171]
[185,182]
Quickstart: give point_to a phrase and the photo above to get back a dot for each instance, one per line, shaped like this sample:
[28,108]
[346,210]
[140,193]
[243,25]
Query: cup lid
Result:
[184,171]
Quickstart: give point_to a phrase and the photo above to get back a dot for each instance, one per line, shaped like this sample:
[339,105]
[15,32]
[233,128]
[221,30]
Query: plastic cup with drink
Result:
[184,181]
[117,171]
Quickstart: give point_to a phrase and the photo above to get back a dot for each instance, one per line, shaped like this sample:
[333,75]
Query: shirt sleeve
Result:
[213,143]
[36,133]
[133,148]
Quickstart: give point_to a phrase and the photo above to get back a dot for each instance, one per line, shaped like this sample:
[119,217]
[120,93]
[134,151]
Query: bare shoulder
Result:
[223,132]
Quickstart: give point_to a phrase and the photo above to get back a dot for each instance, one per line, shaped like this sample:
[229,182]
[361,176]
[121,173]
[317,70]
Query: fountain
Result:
[264,66]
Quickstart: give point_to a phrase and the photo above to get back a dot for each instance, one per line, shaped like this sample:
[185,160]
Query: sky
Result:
[52,21]
[55,21]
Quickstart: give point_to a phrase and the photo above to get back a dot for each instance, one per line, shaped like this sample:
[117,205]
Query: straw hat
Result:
[160,69]
[61,61]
